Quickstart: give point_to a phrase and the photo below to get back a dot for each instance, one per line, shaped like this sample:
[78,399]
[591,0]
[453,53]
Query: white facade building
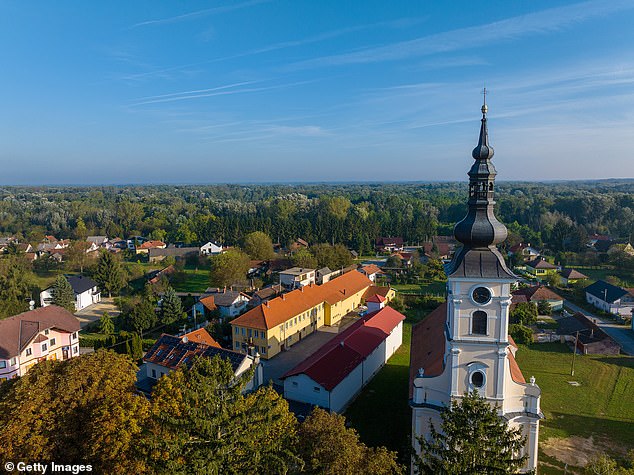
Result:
[297,277]
[211,248]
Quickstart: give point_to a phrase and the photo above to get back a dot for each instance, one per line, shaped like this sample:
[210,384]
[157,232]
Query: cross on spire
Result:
[484,105]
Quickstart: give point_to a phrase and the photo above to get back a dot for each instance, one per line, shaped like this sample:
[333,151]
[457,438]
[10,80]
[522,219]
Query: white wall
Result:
[302,388]
[343,393]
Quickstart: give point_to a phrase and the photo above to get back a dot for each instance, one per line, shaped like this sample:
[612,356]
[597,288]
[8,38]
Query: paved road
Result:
[623,334]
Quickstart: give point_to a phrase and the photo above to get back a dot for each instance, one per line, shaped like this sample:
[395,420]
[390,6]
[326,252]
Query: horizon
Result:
[294,92]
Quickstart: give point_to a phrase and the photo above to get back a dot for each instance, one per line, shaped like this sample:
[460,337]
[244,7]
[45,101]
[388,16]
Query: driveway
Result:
[286,360]
[622,334]
[94,312]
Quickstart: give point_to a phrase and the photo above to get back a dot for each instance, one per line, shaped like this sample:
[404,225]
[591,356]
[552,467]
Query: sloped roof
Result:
[280,309]
[376,299]
[572,274]
[200,336]
[371,269]
[17,332]
[537,293]
[540,263]
[223,297]
[516,373]
[151,245]
[209,302]
[171,352]
[80,283]
[428,345]
[389,241]
[479,263]
[330,365]
[605,291]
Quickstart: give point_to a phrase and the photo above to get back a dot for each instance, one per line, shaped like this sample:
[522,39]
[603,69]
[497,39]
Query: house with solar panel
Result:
[172,352]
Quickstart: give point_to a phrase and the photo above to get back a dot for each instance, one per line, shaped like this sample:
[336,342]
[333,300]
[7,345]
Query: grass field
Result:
[602,407]
[433,287]
[195,281]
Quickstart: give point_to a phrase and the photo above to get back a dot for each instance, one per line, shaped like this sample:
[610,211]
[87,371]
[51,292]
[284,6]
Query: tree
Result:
[303,258]
[328,447]
[394,262]
[81,232]
[472,439]
[520,333]
[16,285]
[90,408]
[435,270]
[397,303]
[136,348]
[524,313]
[138,314]
[202,423]
[109,273]
[544,308]
[63,294]
[229,268]
[258,245]
[106,325]
[76,256]
[171,307]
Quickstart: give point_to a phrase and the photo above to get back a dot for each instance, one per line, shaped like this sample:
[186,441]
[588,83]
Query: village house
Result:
[610,298]
[145,247]
[85,290]
[333,375]
[46,333]
[525,251]
[203,309]
[324,275]
[588,336]
[99,241]
[440,246]
[540,268]
[539,293]
[371,271]
[571,276]
[297,277]
[388,244]
[172,352]
[178,253]
[281,322]
[230,303]
[264,295]
[211,248]
[298,244]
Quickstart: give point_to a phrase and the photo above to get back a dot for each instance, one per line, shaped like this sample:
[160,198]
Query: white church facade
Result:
[464,345]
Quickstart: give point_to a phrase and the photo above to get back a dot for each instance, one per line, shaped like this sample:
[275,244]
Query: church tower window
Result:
[477,379]
[479,323]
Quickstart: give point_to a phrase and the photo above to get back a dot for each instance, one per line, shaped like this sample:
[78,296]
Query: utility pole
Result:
[574,353]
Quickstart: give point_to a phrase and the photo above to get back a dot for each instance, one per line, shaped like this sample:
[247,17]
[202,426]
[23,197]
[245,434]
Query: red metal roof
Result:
[330,365]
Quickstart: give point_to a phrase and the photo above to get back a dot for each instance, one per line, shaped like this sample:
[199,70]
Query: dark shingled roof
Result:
[479,263]
[572,274]
[540,263]
[171,352]
[80,283]
[605,291]
[17,332]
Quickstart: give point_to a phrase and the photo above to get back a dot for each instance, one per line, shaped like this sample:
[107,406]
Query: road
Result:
[622,334]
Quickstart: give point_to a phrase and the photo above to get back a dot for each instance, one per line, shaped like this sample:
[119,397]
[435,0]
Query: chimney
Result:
[283,297]
[185,339]
[344,291]
[342,343]
[267,304]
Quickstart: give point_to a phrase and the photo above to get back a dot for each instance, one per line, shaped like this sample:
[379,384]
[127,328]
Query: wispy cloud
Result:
[225,90]
[545,21]
[199,13]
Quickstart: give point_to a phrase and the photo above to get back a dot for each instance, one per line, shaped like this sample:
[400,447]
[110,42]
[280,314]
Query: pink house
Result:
[47,333]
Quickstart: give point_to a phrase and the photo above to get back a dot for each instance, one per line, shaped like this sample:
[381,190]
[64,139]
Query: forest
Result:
[556,215]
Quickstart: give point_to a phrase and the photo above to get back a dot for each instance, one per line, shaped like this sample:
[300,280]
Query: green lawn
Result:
[195,281]
[433,287]
[381,413]
[601,407]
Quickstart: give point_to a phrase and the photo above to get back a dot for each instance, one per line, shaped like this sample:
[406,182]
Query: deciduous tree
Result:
[258,245]
[229,268]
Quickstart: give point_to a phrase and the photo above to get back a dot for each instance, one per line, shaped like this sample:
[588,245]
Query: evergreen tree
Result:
[128,349]
[109,273]
[136,347]
[472,440]
[63,294]
[106,325]
[171,308]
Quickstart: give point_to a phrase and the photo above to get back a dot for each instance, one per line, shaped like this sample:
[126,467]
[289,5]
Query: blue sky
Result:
[257,90]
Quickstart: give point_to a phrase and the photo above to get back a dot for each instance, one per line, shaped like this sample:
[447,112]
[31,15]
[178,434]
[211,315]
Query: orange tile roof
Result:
[428,345]
[201,336]
[209,302]
[152,244]
[516,373]
[371,269]
[281,309]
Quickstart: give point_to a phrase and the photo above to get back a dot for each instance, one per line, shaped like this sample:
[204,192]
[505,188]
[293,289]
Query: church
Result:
[464,345]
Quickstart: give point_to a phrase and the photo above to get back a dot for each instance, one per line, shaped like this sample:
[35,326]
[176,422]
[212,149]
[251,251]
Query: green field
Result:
[433,287]
[602,407]
[195,281]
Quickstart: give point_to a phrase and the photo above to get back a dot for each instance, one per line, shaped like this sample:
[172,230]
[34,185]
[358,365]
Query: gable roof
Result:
[427,349]
[151,245]
[200,336]
[572,274]
[376,299]
[389,241]
[17,332]
[224,297]
[279,310]
[370,269]
[605,291]
[80,283]
[330,364]
[171,352]
[540,263]
[208,302]
[537,293]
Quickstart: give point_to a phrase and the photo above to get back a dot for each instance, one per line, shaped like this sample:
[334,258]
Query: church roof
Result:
[428,345]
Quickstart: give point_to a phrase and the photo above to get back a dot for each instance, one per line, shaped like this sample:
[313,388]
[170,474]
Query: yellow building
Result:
[540,267]
[279,323]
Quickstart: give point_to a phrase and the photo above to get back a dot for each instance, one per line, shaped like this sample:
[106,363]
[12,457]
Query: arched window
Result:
[479,323]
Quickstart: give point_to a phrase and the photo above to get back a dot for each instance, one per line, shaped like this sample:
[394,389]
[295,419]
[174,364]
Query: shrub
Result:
[521,334]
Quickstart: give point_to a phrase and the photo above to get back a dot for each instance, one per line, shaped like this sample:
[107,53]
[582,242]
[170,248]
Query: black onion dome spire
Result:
[480,231]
